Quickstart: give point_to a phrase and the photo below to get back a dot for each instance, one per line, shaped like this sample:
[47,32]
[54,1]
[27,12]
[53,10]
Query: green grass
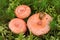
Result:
[7,7]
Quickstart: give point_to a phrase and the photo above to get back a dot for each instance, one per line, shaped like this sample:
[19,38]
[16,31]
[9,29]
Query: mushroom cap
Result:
[22,11]
[38,26]
[17,26]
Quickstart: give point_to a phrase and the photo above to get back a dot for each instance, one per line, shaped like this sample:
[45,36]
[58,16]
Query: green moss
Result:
[7,7]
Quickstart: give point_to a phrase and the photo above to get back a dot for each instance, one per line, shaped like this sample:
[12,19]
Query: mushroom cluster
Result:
[38,23]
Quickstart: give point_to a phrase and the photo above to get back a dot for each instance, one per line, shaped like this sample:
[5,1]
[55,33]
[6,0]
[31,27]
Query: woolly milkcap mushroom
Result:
[22,11]
[38,23]
[17,26]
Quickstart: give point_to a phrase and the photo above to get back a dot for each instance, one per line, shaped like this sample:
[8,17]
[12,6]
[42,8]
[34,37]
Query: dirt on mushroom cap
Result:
[48,18]
[17,26]
[38,29]
[22,11]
